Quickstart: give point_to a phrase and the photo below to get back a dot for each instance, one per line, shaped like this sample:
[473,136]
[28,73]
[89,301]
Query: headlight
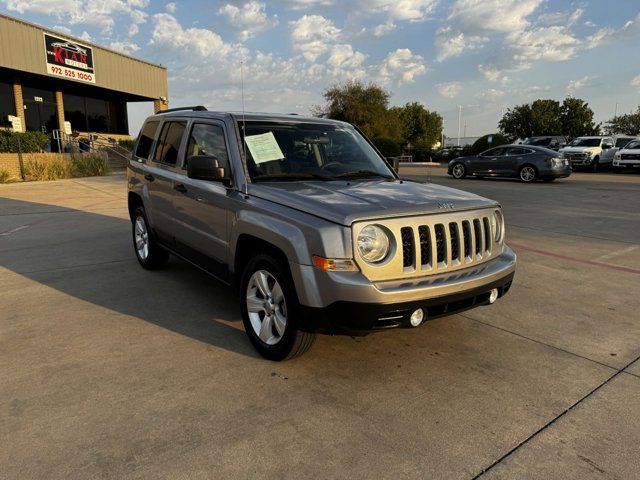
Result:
[497,225]
[617,156]
[373,244]
[557,162]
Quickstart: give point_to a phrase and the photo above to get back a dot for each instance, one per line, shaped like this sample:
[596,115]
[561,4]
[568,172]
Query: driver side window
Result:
[494,152]
[208,140]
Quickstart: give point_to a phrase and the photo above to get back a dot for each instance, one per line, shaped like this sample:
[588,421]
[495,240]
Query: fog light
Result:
[493,295]
[417,317]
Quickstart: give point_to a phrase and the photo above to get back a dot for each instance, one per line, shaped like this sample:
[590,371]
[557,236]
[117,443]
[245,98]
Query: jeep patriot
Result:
[307,221]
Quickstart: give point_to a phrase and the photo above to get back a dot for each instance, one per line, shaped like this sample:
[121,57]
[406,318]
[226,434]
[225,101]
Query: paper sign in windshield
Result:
[264,147]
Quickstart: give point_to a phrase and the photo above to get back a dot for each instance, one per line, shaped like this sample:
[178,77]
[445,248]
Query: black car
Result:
[554,142]
[527,162]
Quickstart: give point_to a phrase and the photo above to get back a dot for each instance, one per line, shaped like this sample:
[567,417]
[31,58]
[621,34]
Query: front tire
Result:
[595,166]
[148,252]
[528,174]
[458,171]
[271,311]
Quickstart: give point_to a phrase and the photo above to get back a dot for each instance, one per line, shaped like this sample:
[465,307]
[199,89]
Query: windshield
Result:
[537,141]
[298,151]
[585,142]
[621,142]
[634,145]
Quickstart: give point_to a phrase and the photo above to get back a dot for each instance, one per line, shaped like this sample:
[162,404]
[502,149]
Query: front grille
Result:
[425,245]
[431,244]
[630,156]
[574,156]
[441,247]
[407,246]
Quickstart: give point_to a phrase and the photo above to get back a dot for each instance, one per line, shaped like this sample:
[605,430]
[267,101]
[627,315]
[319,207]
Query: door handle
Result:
[149,177]
[179,187]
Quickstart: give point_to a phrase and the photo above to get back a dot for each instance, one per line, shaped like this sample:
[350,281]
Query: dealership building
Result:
[50,81]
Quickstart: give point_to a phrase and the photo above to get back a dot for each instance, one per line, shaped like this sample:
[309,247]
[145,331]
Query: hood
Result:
[579,149]
[345,202]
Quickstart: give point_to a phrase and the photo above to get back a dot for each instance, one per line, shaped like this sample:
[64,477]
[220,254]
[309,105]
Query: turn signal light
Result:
[334,264]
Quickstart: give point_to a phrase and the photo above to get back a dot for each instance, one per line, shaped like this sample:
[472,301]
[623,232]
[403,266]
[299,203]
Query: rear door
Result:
[202,206]
[160,174]
[515,156]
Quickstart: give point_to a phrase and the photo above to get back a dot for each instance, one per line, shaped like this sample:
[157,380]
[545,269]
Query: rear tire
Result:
[148,252]
[528,173]
[271,311]
[458,171]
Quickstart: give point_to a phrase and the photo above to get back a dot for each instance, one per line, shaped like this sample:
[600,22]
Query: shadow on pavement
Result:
[90,257]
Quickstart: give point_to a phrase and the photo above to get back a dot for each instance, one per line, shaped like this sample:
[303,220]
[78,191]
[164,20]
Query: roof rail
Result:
[195,108]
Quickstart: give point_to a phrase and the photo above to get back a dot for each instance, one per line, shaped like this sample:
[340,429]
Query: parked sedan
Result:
[527,162]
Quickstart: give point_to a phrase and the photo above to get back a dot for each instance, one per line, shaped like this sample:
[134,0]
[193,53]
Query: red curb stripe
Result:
[575,259]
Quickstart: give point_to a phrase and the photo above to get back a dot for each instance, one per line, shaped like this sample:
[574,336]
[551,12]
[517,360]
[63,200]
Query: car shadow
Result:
[90,257]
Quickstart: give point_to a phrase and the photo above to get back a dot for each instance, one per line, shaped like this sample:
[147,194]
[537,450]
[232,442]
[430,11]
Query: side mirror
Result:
[205,167]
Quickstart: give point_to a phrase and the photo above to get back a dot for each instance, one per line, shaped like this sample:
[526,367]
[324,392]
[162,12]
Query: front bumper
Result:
[626,163]
[348,301]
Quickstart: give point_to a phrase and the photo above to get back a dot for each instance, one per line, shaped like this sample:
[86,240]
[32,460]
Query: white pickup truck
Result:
[594,152]
[627,157]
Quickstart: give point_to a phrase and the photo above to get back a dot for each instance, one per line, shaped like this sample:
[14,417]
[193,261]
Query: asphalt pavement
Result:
[110,371]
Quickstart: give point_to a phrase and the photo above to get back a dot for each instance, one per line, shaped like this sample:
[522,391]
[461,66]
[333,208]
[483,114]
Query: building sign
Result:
[69,59]
[16,123]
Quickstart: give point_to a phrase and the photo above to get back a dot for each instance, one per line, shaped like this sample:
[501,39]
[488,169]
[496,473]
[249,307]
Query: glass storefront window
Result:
[7,104]
[89,114]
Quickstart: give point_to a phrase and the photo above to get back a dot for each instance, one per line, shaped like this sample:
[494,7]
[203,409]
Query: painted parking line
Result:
[10,232]
[584,261]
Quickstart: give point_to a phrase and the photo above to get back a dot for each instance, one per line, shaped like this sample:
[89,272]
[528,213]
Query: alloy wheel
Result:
[458,170]
[141,238]
[527,174]
[266,307]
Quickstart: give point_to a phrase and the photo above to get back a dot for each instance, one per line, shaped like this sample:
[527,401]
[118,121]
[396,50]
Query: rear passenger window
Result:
[518,151]
[169,143]
[207,139]
[145,141]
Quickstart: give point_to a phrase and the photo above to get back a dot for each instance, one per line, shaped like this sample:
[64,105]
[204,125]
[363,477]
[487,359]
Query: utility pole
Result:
[616,111]
[465,130]
[459,122]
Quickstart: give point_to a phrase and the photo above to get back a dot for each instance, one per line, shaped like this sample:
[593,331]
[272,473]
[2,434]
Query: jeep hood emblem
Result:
[446,205]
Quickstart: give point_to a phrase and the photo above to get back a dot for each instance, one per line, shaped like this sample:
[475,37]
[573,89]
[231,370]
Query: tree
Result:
[488,141]
[387,146]
[628,124]
[517,122]
[572,118]
[545,117]
[362,105]
[419,127]
[577,118]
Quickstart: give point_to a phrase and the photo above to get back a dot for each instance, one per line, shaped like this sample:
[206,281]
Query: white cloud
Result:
[248,20]
[449,90]
[451,43]
[168,32]
[128,48]
[86,37]
[608,35]
[402,66]
[346,63]
[383,29]
[308,4]
[542,43]
[61,29]
[491,95]
[561,18]
[635,83]
[574,85]
[411,10]
[312,35]
[171,7]
[102,14]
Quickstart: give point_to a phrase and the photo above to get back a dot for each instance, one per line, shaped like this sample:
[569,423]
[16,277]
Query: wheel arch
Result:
[134,200]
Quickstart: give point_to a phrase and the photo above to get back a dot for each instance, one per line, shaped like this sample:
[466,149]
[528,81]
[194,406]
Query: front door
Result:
[488,162]
[161,175]
[201,206]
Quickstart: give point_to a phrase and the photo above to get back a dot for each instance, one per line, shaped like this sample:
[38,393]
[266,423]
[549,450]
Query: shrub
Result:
[387,146]
[36,169]
[89,165]
[127,143]
[488,141]
[30,142]
[6,177]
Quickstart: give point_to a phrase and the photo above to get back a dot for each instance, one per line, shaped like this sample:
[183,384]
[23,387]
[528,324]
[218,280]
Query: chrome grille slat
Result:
[433,244]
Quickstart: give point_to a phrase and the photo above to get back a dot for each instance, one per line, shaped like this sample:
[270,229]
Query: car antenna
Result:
[244,126]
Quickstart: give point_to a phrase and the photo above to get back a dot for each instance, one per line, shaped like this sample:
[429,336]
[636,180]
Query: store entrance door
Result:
[40,116]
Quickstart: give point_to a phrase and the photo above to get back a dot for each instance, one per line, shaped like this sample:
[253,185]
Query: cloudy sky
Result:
[485,55]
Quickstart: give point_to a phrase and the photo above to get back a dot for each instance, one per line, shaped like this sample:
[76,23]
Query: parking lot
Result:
[111,371]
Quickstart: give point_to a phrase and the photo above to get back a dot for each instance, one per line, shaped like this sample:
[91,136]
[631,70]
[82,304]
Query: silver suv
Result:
[310,224]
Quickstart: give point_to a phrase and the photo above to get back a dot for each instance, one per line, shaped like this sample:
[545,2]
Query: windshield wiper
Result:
[291,176]
[363,174]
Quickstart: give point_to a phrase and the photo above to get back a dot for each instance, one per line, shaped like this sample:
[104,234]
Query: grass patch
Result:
[82,165]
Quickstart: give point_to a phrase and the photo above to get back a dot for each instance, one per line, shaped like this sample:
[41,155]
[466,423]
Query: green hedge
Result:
[127,143]
[30,142]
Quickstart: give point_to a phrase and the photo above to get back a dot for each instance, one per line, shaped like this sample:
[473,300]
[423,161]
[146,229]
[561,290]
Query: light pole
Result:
[616,111]
[459,122]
